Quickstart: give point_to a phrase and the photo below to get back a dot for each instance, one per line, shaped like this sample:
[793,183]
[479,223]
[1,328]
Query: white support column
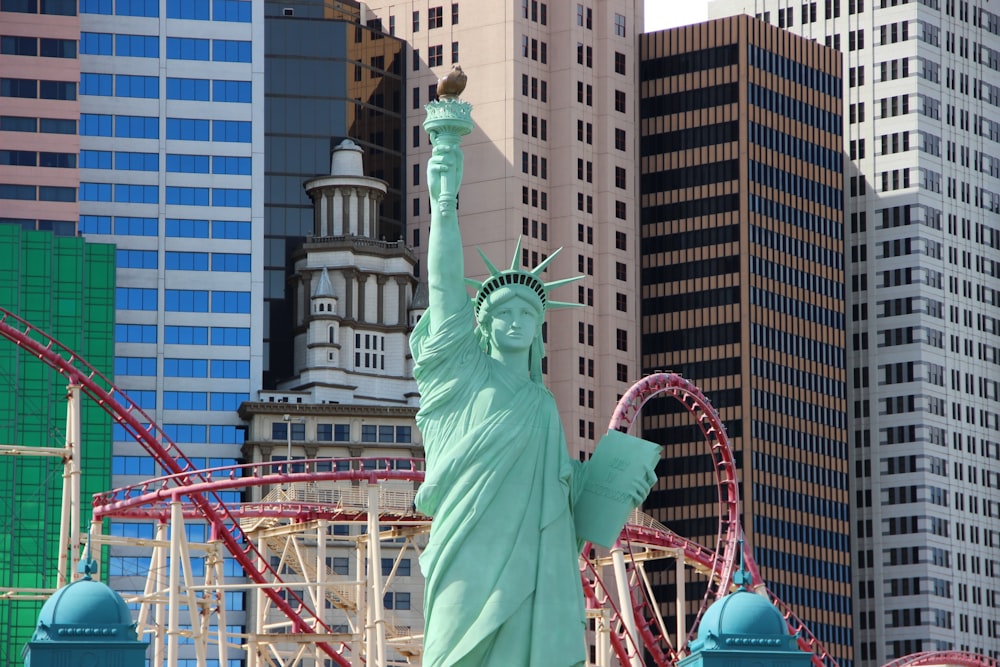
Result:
[337,227]
[174,583]
[680,602]
[71,480]
[260,612]
[155,585]
[352,212]
[361,625]
[625,605]
[603,639]
[215,567]
[375,577]
[319,601]
[323,217]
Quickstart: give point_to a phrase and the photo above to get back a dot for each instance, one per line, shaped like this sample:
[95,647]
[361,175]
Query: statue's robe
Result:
[502,573]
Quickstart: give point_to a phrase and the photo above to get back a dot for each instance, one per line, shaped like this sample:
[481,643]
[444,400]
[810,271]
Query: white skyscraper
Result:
[922,90]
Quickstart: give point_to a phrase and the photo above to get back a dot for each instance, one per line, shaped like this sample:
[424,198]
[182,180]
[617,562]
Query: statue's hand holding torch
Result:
[444,172]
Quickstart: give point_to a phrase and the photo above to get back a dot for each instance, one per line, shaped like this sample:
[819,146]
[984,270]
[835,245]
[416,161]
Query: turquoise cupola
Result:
[85,624]
[744,628]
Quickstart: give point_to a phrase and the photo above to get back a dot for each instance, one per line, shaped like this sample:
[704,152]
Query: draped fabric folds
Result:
[501,567]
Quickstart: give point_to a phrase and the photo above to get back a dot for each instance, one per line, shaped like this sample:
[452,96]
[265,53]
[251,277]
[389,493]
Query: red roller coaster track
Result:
[201,487]
[166,453]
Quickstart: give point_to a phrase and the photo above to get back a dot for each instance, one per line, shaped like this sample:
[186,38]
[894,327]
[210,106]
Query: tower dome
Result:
[85,624]
[86,609]
[743,613]
[744,628]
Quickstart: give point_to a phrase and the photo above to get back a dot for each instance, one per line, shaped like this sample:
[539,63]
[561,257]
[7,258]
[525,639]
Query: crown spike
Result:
[562,304]
[473,283]
[559,283]
[545,262]
[517,254]
[494,271]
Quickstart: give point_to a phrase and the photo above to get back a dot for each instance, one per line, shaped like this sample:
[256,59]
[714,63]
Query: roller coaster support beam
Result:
[625,604]
[174,612]
[69,535]
[376,628]
[681,603]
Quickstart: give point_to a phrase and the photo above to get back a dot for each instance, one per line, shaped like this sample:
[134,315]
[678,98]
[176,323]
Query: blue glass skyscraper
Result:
[171,170]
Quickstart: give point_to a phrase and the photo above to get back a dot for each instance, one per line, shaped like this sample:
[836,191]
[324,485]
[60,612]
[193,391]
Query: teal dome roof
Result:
[743,613]
[85,610]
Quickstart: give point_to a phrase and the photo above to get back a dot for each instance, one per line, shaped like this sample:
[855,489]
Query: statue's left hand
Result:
[642,486]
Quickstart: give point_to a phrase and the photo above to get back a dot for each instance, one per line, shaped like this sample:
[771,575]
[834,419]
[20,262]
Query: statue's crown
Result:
[517,276]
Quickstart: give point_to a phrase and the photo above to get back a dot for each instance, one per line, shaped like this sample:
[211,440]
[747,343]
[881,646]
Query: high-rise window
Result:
[435,17]
[619,25]
[435,56]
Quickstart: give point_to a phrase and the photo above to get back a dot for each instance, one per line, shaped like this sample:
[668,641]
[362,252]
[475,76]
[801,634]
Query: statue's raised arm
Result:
[448,120]
[445,266]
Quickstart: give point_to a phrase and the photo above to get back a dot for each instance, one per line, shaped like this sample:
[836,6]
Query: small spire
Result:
[742,576]
[324,288]
[88,565]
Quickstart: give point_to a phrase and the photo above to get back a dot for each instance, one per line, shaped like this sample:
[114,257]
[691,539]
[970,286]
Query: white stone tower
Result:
[352,295]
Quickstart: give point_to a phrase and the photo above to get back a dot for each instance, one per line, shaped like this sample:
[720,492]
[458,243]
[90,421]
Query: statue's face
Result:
[513,324]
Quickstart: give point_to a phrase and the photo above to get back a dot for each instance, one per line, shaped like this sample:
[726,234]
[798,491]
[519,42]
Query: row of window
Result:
[51,7]
[798,470]
[796,308]
[178,48]
[795,109]
[38,89]
[341,432]
[37,193]
[134,85]
[794,247]
[44,125]
[435,17]
[795,216]
[183,335]
[184,261]
[37,159]
[180,195]
[148,127]
[435,58]
[176,163]
[786,144]
[197,434]
[173,228]
[787,275]
[184,301]
[236,11]
[13,45]
[172,367]
[202,400]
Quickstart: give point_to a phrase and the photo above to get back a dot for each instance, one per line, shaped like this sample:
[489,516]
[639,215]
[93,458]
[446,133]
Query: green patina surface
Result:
[502,578]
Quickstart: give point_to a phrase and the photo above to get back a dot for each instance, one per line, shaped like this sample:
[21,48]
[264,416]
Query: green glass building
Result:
[64,286]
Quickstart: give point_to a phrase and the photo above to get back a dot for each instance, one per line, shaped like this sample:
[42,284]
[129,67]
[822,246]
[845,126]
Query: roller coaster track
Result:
[951,658]
[200,488]
[718,564]
[185,478]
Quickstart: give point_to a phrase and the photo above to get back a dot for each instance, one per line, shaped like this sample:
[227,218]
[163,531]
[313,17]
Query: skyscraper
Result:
[65,287]
[39,110]
[552,159]
[171,171]
[743,294]
[920,101]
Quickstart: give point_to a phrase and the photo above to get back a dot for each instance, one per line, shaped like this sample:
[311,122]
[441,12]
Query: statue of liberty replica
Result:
[502,571]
